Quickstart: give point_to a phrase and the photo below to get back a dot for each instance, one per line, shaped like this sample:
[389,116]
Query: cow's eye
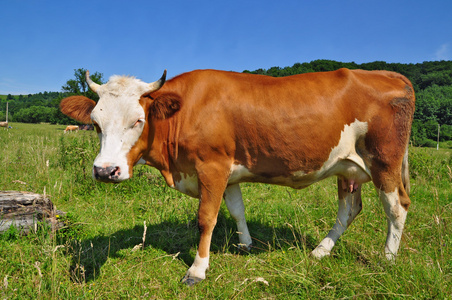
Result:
[138,122]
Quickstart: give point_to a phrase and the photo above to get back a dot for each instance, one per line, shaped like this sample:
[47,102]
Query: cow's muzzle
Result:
[107,174]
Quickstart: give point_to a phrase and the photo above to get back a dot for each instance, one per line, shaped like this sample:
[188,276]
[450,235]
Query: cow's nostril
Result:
[115,172]
[106,174]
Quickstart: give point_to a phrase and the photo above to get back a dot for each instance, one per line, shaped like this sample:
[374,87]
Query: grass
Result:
[94,257]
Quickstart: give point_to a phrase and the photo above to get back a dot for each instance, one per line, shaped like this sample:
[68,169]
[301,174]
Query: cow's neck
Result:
[158,153]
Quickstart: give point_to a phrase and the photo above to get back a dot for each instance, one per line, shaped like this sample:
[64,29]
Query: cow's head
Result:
[121,118]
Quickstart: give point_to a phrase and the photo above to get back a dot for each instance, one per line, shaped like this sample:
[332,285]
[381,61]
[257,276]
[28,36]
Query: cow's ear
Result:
[164,106]
[78,108]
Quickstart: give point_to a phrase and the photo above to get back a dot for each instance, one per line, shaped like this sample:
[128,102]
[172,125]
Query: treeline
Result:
[422,75]
[34,108]
[432,82]
[44,107]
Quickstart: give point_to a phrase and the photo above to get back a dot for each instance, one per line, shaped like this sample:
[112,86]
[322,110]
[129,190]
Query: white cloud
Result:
[443,53]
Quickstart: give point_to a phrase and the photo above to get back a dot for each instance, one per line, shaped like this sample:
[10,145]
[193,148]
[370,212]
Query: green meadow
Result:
[98,255]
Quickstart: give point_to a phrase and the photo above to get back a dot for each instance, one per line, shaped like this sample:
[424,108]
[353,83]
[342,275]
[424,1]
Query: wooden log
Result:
[25,210]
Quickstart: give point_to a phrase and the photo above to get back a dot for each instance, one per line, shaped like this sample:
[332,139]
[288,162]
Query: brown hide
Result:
[276,126]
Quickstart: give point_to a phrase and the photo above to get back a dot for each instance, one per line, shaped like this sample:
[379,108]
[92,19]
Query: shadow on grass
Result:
[175,237]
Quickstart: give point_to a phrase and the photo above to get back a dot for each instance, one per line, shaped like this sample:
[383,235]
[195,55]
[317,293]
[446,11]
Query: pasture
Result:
[96,256]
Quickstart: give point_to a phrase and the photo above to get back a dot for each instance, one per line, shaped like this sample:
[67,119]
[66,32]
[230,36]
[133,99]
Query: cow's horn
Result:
[158,84]
[92,85]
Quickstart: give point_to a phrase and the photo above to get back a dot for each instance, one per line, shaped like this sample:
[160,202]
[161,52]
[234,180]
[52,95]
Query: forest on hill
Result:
[432,82]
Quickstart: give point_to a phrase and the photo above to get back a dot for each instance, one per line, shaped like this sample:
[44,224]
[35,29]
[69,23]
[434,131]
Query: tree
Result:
[79,86]
[72,86]
[434,103]
[36,114]
[446,133]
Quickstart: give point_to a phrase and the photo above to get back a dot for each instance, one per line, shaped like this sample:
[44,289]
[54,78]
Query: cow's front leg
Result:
[212,184]
[234,203]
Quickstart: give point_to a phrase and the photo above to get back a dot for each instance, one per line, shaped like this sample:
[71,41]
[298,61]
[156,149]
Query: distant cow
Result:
[4,124]
[71,128]
[207,131]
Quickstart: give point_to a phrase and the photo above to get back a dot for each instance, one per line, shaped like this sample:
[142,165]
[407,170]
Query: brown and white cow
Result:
[207,131]
[4,124]
[71,128]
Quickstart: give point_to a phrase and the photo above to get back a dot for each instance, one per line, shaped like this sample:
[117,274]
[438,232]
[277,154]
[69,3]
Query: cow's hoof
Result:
[320,252]
[190,280]
[244,247]
[390,256]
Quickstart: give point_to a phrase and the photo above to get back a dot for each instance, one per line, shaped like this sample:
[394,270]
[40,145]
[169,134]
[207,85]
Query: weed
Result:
[11,234]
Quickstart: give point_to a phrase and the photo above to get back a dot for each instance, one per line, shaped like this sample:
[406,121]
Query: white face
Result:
[120,118]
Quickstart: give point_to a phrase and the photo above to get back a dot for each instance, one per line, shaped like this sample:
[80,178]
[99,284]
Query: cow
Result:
[4,124]
[207,131]
[71,128]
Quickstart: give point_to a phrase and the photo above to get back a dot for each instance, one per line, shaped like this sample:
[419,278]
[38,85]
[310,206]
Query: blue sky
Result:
[42,42]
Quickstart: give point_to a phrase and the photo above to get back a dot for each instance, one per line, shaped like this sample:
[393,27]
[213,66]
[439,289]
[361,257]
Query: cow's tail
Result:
[406,172]
[407,110]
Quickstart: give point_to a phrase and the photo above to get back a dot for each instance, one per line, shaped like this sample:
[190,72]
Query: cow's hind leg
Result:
[393,189]
[350,205]
[396,207]
[234,203]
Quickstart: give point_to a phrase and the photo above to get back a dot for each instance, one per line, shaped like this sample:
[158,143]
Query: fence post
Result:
[437,144]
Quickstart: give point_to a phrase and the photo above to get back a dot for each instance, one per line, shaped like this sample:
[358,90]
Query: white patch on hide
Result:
[346,151]
[187,185]
[238,174]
